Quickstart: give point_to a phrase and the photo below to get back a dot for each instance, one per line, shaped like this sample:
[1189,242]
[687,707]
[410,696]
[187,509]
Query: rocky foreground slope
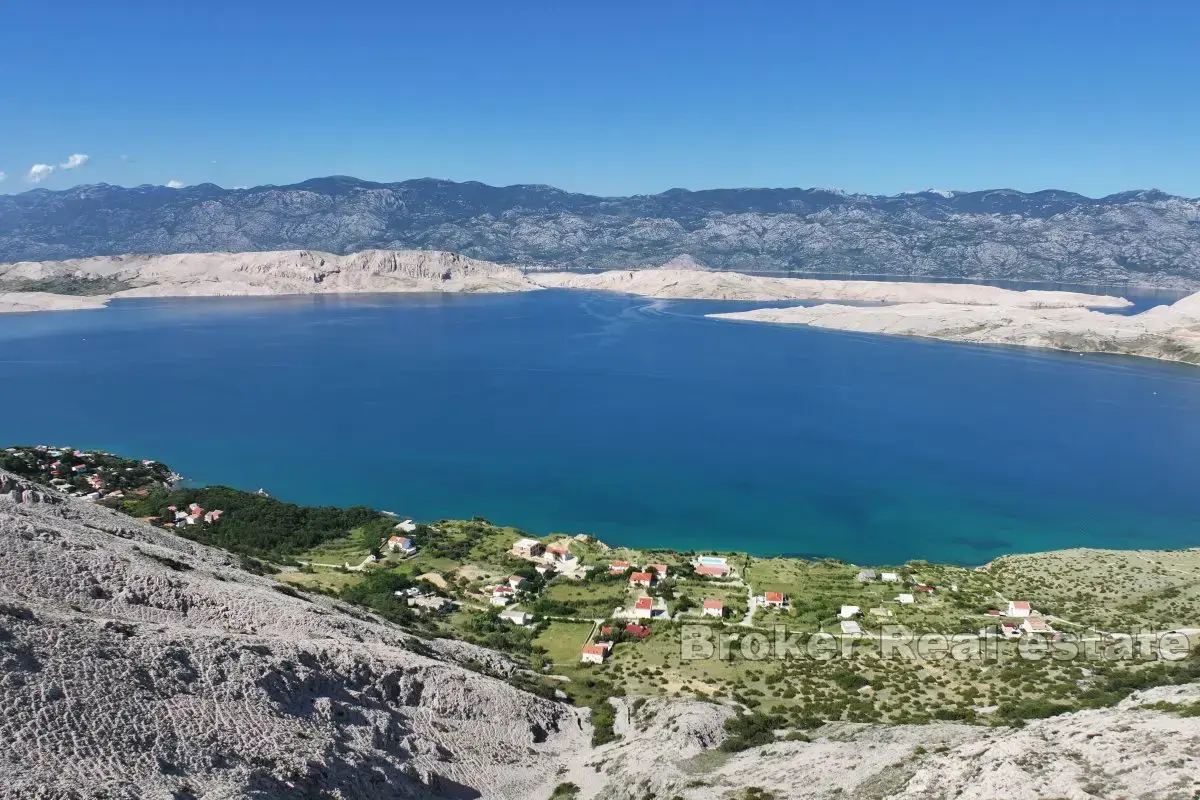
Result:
[1144,237]
[1170,333]
[134,663]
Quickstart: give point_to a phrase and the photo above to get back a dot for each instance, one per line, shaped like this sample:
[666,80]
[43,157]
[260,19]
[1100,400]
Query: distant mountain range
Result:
[1143,237]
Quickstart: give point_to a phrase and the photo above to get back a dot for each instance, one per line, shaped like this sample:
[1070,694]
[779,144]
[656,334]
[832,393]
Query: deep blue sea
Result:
[638,421]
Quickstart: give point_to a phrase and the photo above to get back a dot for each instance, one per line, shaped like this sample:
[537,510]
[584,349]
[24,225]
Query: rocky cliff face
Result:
[1146,237]
[134,663]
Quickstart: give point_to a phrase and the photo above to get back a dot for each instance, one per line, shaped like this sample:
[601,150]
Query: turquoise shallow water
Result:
[638,421]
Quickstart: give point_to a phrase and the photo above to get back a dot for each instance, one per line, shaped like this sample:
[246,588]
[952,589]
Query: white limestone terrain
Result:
[399,271]
[19,302]
[273,273]
[134,663]
[668,283]
[1170,333]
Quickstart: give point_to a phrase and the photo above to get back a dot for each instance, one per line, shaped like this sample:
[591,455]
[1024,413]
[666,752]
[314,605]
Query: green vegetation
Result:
[261,526]
[603,717]
[750,730]
[67,284]
[565,791]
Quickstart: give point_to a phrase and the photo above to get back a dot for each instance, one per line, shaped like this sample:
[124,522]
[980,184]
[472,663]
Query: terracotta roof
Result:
[712,603]
[773,597]
[594,650]
[641,576]
[644,602]
[640,631]
[1020,605]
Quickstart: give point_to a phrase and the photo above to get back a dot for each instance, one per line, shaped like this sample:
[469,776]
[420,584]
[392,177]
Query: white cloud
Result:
[2,177]
[125,157]
[39,173]
[75,160]
[175,184]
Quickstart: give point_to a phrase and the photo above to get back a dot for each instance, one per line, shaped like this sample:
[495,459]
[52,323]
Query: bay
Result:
[639,421]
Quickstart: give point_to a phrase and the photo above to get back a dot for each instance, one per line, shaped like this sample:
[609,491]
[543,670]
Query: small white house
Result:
[499,600]
[516,617]
[407,526]
[401,544]
[851,627]
[889,577]
[1036,624]
[516,581]
[713,608]
[594,654]
[1018,608]
[904,599]
[849,612]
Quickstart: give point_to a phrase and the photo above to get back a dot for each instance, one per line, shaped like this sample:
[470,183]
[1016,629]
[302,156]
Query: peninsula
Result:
[1170,333]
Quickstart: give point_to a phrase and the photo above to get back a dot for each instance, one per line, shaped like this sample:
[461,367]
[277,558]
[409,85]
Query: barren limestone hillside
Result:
[134,663]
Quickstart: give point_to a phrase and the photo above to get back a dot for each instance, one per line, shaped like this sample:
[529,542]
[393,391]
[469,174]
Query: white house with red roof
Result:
[643,608]
[712,570]
[713,608]
[641,579]
[774,599]
[619,567]
[1018,608]
[1035,624]
[594,654]
[658,569]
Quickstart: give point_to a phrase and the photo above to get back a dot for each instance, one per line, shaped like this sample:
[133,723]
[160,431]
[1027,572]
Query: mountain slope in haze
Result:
[1146,237]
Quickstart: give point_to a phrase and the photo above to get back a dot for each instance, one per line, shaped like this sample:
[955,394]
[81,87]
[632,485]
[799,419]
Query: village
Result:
[609,598]
[92,475]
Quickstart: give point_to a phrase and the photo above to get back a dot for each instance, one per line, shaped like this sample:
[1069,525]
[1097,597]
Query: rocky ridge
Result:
[1140,237]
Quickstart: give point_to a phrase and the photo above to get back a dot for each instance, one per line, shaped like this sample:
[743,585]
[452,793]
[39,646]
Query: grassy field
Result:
[350,549]
[329,580]
[589,599]
[563,641]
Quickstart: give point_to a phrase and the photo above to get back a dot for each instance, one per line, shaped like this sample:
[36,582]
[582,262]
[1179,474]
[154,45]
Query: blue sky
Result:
[614,97]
